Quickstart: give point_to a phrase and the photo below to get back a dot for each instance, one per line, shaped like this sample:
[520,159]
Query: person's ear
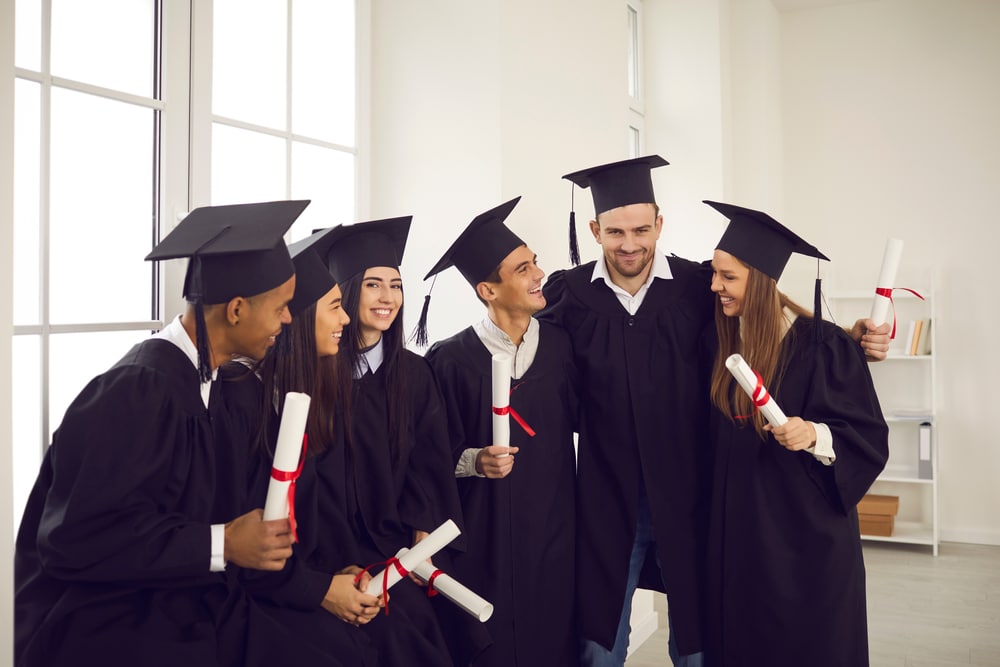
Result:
[595,229]
[485,291]
[234,308]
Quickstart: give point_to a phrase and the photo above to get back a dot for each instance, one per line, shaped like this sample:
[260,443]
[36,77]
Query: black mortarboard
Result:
[234,250]
[312,275]
[366,244]
[759,240]
[480,248]
[476,253]
[764,243]
[612,185]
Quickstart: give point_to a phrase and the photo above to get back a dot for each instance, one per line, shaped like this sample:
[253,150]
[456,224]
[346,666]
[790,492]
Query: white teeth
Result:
[384,312]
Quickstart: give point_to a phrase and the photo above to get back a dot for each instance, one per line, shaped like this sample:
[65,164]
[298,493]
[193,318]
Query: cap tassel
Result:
[574,247]
[420,333]
[201,341]
[818,305]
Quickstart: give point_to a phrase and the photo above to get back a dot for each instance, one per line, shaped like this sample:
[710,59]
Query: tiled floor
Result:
[922,611]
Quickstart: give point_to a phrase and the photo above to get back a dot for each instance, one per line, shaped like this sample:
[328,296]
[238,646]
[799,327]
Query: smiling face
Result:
[729,281]
[520,286]
[259,319]
[379,302]
[330,322]
[628,235]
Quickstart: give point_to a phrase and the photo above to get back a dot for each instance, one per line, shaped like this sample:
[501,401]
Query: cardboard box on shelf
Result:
[874,504]
[876,524]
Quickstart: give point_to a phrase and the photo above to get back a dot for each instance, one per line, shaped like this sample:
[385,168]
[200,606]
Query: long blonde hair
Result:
[758,335]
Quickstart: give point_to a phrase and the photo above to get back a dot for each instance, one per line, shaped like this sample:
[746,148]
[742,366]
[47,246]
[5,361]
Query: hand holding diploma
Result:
[398,567]
[752,384]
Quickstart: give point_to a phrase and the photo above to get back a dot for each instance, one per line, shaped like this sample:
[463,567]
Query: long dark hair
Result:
[293,364]
[757,336]
[397,395]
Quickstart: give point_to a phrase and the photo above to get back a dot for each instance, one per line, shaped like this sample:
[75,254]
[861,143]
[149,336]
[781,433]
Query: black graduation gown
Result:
[111,561]
[644,405]
[786,574]
[386,500]
[294,596]
[520,529]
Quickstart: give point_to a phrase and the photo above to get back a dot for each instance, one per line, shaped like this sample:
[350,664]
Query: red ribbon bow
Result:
[760,397]
[887,293]
[292,476]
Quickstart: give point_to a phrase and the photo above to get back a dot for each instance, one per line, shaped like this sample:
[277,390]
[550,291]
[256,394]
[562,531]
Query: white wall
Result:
[890,112]
[474,103]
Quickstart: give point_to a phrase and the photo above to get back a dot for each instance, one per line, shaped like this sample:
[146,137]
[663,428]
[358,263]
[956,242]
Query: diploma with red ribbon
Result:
[886,279]
[752,384]
[399,566]
[439,582]
[502,364]
[289,454]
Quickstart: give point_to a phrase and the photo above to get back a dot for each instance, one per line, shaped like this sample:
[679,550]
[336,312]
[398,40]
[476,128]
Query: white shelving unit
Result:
[905,385]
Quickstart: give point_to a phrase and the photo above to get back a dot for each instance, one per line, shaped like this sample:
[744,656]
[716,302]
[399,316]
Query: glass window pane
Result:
[27,422]
[100,210]
[634,144]
[323,70]
[249,59]
[76,358]
[246,166]
[326,177]
[26,201]
[28,34]
[633,52]
[106,43]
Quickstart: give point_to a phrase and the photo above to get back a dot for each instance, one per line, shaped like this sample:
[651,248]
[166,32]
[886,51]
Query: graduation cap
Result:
[357,247]
[476,253]
[764,243]
[759,240]
[234,250]
[612,185]
[312,275]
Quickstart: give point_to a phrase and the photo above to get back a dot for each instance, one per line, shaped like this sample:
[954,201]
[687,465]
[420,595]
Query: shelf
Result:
[903,479]
[908,532]
[907,417]
[907,357]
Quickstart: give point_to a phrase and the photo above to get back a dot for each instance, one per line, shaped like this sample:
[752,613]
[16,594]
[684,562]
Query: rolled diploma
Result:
[447,586]
[745,377]
[286,453]
[501,399]
[886,278]
[420,552]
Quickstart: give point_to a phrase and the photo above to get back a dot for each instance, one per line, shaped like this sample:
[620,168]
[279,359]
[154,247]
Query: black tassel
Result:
[818,309]
[201,342]
[420,334]
[574,248]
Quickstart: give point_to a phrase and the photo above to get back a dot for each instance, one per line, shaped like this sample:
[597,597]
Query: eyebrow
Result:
[533,260]
[382,280]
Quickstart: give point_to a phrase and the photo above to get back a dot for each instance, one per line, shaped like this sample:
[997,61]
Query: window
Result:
[636,106]
[128,113]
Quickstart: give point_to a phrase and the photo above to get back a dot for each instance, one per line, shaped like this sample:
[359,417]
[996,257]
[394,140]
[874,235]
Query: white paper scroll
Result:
[501,400]
[448,586]
[420,552]
[286,453]
[886,279]
[748,380]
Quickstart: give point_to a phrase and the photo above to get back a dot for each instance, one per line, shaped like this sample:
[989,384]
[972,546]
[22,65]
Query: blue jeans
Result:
[595,655]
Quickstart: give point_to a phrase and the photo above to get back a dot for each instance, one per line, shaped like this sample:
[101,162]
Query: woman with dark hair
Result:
[786,574]
[399,483]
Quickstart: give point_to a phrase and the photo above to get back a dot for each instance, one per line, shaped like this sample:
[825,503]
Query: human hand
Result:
[874,340]
[254,543]
[344,600]
[495,461]
[794,435]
